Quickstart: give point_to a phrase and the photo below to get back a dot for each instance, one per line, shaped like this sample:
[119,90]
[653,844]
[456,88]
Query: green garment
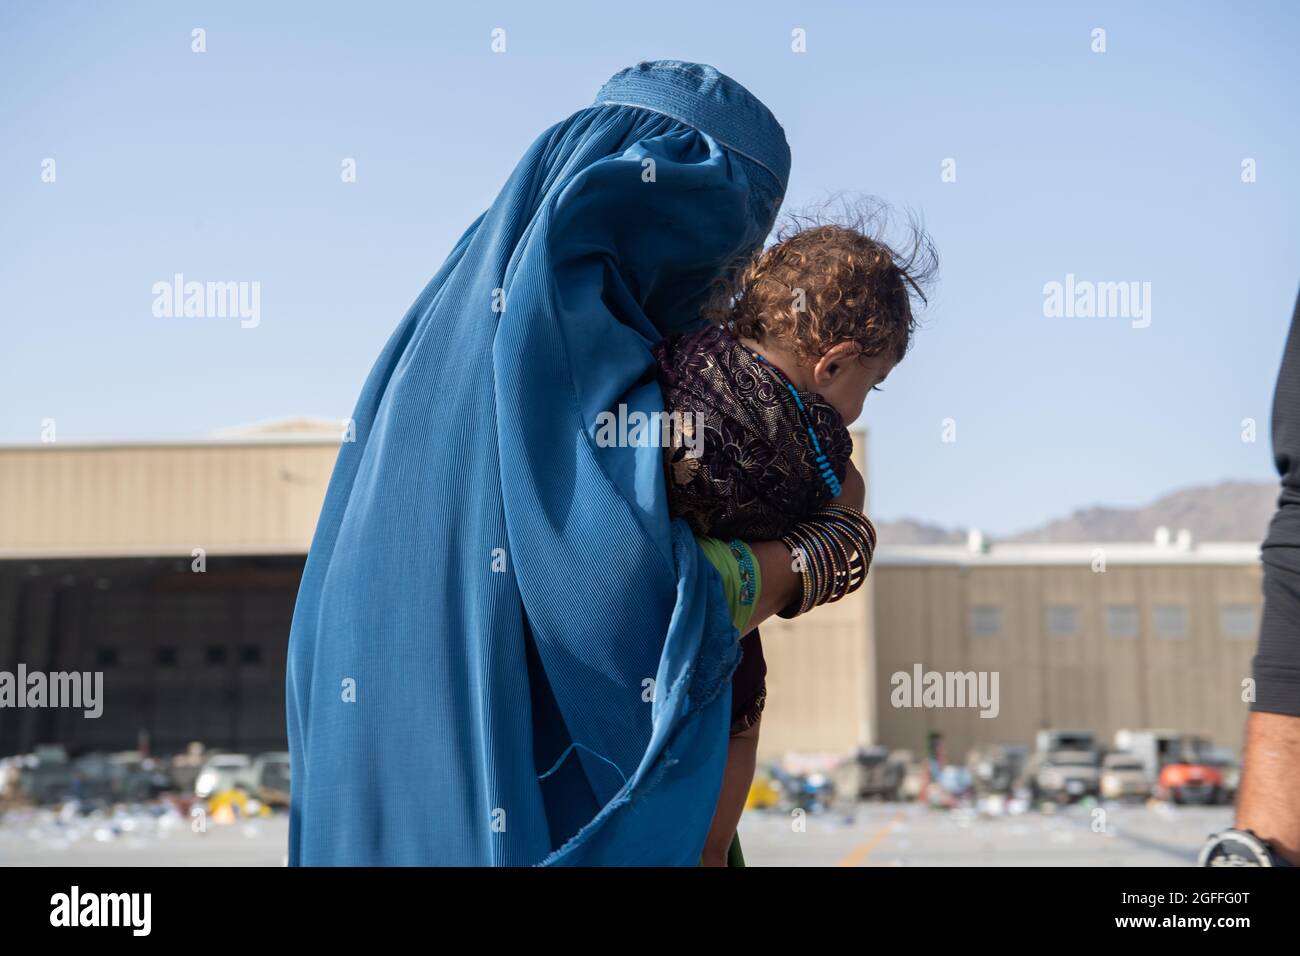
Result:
[741,601]
[740,586]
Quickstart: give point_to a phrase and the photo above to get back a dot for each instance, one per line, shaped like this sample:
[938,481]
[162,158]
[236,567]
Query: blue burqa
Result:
[504,651]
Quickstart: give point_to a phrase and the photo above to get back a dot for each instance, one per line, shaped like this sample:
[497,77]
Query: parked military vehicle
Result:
[1074,741]
[1063,776]
[871,772]
[46,774]
[1065,766]
[1124,778]
[268,778]
[996,768]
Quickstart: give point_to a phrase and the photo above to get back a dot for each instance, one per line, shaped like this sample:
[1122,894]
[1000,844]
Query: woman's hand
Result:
[853,489]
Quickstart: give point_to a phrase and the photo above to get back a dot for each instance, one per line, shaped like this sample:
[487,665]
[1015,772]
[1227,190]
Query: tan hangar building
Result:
[97,543]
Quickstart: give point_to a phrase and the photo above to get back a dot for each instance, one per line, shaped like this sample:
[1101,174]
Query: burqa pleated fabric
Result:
[504,652]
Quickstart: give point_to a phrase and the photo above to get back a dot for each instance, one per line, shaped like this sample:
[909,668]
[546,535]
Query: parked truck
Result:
[1064,766]
[871,772]
[1178,766]
[996,768]
[1076,741]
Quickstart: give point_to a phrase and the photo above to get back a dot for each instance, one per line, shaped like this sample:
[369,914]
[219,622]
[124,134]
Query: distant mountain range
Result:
[1228,511]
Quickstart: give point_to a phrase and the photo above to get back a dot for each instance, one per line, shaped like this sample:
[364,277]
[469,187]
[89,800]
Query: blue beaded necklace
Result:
[828,473]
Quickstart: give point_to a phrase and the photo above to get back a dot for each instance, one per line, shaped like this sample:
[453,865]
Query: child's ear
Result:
[829,365]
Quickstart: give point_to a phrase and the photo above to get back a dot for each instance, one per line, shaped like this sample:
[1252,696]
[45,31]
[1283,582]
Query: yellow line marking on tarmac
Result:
[860,853]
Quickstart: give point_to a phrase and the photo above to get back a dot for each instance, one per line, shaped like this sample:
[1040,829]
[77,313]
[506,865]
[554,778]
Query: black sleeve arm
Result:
[1277,659]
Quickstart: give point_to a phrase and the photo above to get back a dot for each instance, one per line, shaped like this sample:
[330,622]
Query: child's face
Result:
[845,377]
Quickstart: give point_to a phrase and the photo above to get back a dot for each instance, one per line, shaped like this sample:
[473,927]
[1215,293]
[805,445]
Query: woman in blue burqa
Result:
[504,651]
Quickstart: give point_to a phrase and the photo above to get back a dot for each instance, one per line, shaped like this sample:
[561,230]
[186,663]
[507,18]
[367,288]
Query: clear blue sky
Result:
[1118,166]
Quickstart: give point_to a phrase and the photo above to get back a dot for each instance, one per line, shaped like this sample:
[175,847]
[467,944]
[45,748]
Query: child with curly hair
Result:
[806,330]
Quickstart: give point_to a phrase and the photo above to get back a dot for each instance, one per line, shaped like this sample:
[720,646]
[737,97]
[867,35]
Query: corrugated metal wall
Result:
[1092,680]
[162,499]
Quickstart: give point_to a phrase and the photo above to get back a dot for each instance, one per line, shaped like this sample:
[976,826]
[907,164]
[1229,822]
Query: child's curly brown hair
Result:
[830,279]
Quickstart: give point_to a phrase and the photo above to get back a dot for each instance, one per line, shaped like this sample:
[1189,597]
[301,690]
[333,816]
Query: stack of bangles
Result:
[832,550]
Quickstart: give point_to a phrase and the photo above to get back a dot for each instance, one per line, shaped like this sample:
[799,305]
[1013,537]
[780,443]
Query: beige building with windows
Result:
[97,542]
[1091,636]
[1099,637]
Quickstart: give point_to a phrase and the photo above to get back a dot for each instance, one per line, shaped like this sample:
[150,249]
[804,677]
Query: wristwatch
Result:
[1238,848]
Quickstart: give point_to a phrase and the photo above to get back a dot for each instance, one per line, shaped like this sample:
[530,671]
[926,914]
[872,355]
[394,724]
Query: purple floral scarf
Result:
[742,465]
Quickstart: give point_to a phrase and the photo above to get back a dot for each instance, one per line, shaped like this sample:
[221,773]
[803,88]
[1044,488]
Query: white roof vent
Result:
[1184,542]
[1162,537]
[975,541]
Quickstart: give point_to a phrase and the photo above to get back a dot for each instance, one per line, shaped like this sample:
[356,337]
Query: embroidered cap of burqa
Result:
[504,651]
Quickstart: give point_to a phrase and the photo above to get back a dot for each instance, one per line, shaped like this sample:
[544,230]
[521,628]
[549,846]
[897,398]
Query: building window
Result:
[105,658]
[1062,620]
[165,656]
[217,654]
[250,654]
[985,621]
[1122,620]
[1239,621]
[1169,620]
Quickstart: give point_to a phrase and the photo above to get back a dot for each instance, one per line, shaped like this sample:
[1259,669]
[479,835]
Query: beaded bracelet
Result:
[859,528]
[858,531]
[745,561]
[802,561]
[809,572]
[835,547]
[857,536]
[836,561]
